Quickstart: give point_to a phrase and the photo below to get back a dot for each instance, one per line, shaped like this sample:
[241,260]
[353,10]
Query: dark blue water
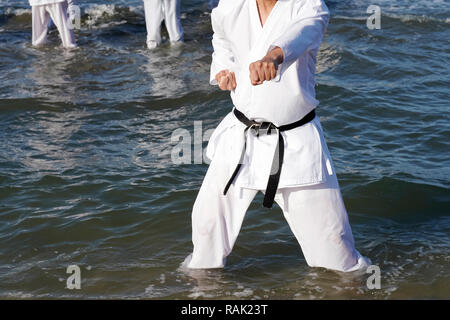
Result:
[87,178]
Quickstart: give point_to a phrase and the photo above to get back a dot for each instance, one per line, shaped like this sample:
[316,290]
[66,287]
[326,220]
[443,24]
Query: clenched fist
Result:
[226,80]
[266,68]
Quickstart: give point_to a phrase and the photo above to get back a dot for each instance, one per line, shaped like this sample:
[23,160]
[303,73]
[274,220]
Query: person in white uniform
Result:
[56,10]
[155,12]
[272,141]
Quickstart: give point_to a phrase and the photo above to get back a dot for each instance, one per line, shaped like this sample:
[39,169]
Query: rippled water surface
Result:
[86,175]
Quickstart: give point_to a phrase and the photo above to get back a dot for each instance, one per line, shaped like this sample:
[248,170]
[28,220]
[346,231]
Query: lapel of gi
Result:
[263,34]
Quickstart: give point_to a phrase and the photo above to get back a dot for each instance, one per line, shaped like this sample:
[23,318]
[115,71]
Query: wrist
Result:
[276,54]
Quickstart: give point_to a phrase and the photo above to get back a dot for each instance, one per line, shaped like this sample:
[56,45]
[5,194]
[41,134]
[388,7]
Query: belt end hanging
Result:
[267,205]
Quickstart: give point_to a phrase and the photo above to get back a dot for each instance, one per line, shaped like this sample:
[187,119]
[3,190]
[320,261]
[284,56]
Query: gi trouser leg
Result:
[60,16]
[172,20]
[153,18]
[316,215]
[58,13]
[40,18]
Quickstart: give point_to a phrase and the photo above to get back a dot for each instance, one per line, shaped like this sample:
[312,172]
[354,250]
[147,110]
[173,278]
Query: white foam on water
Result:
[415,18]
[242,294]
[17,11]
[420,18]
[103,14]
[152,292]
[19,295]
[138,10]
[149,290]
[97,11]
[198,294]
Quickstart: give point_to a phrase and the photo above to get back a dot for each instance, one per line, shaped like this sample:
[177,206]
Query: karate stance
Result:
[155,12]
[265,54]
[56,10]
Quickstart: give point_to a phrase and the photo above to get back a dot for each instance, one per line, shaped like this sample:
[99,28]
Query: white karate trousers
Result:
[58,13]
[316,215]
[155,12]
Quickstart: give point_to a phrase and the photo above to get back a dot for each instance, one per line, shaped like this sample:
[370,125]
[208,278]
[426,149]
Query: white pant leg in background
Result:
[58,13]
[172,20]
[153,18]
[155,12]
[40,19]
[316,214]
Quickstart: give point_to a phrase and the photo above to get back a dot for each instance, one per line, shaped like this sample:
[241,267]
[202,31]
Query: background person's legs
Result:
[217,219]
[40,19]
[153,18]
[172,20]
[317,217]
[58,13]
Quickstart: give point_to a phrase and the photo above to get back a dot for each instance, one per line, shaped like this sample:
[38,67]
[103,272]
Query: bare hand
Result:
[226,80]
[266,68]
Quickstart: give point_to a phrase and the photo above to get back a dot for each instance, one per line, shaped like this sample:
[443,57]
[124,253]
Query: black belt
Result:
[275,171]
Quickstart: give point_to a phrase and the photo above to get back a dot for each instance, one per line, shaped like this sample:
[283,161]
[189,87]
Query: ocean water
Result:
[86,176]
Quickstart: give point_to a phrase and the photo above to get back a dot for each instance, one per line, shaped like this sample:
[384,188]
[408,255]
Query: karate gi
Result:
[56,10]
[155,12]
[308,191]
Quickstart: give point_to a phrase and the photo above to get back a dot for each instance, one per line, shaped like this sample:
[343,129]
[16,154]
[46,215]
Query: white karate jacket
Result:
[297,27]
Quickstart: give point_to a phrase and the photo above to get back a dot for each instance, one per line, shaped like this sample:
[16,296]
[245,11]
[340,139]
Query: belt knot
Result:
[262,128]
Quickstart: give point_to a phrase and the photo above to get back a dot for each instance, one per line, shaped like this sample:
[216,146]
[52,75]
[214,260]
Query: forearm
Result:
[222,57]
[302,39]
[276,54]
[305,32]
[266,68]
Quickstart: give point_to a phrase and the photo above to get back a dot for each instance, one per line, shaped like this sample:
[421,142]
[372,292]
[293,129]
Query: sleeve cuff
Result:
[212,80]
[215,69]
[281,65]
[212,75]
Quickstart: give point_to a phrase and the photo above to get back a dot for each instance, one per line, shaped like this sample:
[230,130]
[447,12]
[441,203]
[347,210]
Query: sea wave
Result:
[93,15]
[104,15]
[393,17]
